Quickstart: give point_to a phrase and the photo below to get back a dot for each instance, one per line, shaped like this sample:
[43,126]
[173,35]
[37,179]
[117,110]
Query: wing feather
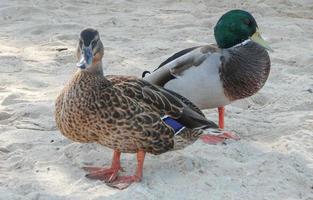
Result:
[165,102]
[180,62]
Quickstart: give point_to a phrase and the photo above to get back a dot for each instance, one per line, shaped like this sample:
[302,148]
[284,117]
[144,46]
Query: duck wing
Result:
[165,102]
[175,65]
[176,55]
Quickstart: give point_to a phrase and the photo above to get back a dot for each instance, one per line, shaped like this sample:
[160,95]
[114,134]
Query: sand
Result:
[273,160]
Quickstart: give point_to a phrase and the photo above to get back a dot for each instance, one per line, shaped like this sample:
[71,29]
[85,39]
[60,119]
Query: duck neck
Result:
[92,77]
[96,68]
[244,70]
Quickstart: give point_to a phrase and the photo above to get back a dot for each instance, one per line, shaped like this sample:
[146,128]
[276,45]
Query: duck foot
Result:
[105,174]
[122,182]
[93,169]
[216,139]
[102,174]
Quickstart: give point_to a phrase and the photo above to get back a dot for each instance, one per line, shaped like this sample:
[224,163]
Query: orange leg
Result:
[122,182]
[106,174]
[215,139]
[221,111]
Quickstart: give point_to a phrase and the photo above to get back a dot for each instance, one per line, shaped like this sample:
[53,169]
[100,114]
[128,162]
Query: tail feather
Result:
[144,73]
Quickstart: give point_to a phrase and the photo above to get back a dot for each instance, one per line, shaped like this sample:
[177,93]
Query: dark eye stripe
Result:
[88,35]
[247,21]
[94,43]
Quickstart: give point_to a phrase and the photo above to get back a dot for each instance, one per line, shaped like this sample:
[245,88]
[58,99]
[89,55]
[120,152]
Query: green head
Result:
[235,27]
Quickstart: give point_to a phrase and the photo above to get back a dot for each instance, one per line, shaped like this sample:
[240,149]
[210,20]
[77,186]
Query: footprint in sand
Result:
[10,64]
[260,99]
[11,99]
[4,116]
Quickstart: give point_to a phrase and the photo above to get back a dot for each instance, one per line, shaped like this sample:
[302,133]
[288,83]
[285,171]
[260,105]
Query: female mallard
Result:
[213,76]
[123,113]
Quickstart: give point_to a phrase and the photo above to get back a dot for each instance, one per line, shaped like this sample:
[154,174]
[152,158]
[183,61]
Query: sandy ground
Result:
[274,159]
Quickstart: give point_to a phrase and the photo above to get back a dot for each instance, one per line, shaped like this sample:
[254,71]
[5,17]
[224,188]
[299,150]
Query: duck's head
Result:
[90,49]
[236,26]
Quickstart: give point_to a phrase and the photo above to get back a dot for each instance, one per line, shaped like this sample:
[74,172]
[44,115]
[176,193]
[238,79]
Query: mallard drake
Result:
[124,113]
[215,75]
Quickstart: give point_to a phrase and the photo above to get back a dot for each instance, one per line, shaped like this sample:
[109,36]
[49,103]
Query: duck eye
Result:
[247,22]
[93,43]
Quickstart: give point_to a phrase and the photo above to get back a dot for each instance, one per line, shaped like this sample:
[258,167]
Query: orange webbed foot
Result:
[103,174]
[220,138]
[110,175]
[122,182]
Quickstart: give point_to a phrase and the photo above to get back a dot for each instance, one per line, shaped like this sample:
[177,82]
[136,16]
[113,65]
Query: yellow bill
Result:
[257,38]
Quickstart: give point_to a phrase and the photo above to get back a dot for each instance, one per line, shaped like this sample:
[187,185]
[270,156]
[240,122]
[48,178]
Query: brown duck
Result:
[123,113]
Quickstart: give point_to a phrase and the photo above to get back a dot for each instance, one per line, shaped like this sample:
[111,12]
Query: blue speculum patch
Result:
[173,123]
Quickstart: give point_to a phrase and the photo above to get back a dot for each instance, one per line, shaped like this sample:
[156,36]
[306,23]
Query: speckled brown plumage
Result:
[126,114]
[119,112]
